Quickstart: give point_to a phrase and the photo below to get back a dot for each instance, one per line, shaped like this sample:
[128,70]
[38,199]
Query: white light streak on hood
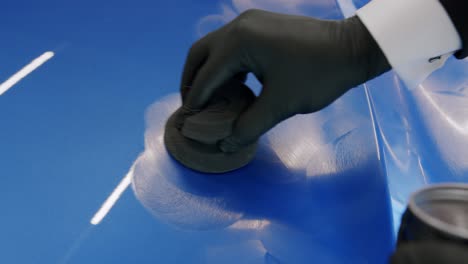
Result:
[15,78]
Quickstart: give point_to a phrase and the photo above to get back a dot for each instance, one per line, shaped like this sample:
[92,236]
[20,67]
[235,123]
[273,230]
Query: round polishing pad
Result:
[195,145]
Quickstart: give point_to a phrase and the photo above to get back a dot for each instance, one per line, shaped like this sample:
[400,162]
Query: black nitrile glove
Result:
[430,252]
[304,64]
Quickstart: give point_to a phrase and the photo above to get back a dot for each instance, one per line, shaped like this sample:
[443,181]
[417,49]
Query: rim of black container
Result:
[454,192]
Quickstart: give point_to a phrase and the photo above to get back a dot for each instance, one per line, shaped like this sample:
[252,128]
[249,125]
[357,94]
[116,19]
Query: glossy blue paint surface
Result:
[319,190]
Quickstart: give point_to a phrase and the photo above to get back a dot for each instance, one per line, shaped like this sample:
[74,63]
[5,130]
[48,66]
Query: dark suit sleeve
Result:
[458,12]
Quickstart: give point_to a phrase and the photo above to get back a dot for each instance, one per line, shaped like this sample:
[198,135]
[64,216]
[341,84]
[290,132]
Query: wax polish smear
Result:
[309,172]
[170,191]
[198,201]
[285,155]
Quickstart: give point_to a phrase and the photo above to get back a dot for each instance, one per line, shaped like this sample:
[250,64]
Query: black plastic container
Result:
[439,212]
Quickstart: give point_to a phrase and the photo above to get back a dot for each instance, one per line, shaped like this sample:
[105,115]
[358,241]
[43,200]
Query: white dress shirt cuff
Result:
[416,36]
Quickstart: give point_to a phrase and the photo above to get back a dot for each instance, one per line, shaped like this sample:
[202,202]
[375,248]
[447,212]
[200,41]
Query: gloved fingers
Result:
[260,117]
[196,57]
[429,252]
[187,111]
[241,76]
[216,71]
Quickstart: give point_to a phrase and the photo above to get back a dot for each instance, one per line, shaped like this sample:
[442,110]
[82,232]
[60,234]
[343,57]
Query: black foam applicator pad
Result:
[195,145]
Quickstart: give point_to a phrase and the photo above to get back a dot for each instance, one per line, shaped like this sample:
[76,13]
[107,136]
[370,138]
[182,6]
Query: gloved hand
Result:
[303,63]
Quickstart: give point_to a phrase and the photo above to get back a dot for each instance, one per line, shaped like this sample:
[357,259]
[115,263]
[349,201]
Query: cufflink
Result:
[431,60]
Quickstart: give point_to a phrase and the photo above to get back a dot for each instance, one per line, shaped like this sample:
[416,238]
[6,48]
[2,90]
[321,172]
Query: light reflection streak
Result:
[15,78]
[75,247]
[373,122]
[423,172]
[112,199]
[461,129]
